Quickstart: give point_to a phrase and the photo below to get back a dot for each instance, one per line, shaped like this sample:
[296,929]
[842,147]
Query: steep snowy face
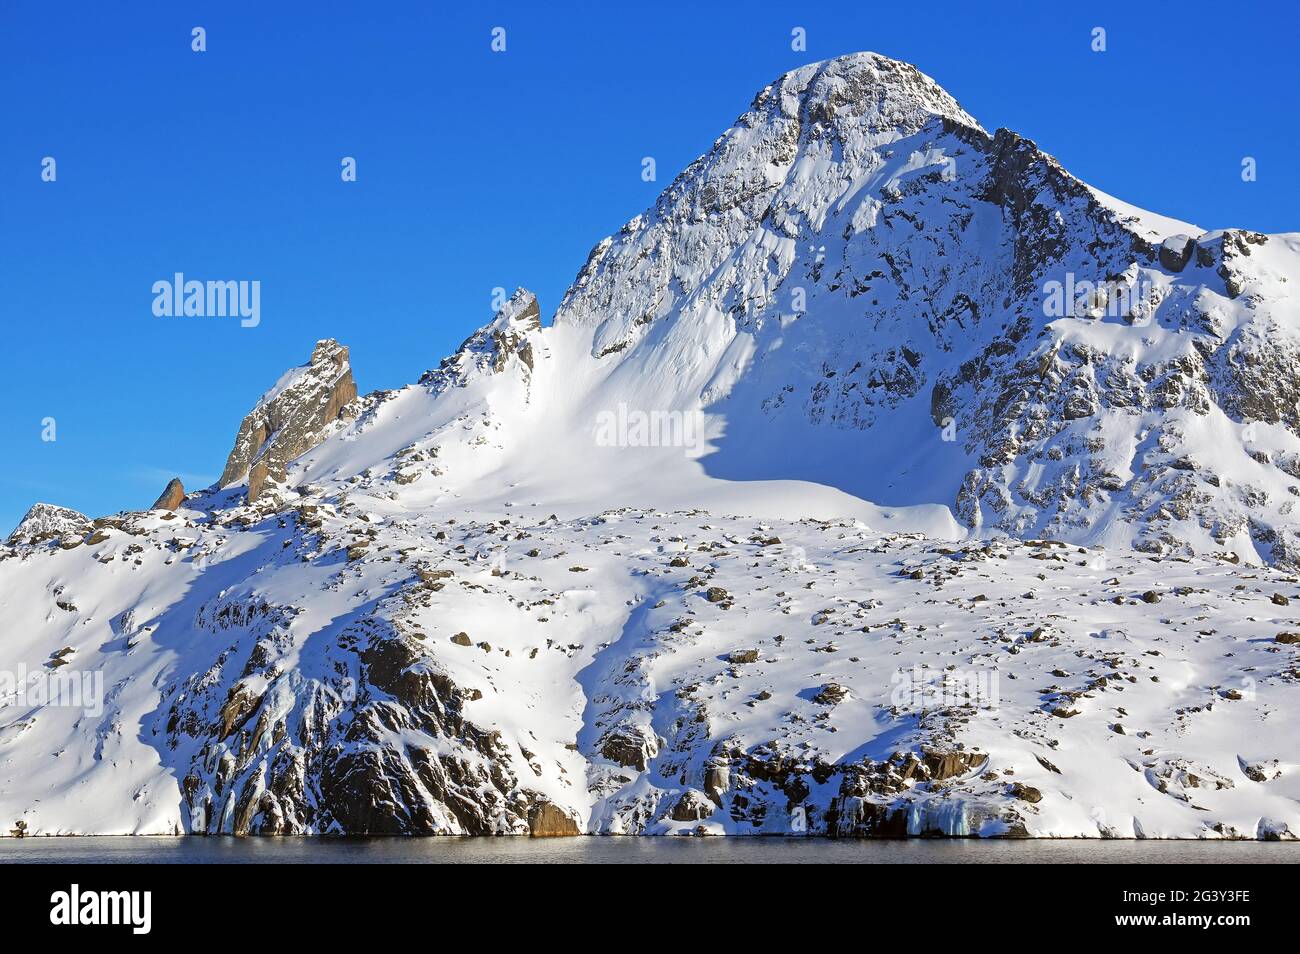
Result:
[863,289]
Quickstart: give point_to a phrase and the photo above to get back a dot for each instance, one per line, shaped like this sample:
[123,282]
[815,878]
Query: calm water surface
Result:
[613,850]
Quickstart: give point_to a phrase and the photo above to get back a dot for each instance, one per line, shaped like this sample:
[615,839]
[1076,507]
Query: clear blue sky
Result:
[478,170]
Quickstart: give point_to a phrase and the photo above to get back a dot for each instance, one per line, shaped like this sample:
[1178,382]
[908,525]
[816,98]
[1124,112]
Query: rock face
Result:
[49,522]
[692,805]
[173,496]
[292,418]
[550,821]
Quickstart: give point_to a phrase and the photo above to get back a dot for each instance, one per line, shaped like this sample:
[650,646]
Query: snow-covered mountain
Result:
[870,399]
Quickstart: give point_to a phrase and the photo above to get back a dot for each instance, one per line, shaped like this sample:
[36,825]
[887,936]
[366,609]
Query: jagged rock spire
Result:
[172,496]
[292,418]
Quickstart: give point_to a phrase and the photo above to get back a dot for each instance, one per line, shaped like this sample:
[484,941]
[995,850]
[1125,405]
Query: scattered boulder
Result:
[831,694]
[1026,793]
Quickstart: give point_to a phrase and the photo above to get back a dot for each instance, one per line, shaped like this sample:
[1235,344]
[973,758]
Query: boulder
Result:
[831,694]
[1026,793]
[1176,252]
[630,746]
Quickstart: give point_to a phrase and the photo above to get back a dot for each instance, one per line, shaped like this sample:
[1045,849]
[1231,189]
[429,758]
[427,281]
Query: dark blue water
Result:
[614,850]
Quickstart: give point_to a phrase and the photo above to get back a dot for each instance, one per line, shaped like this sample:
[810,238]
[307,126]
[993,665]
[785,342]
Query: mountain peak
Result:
[866,89]
[46,521]
[817,140]
[519,313]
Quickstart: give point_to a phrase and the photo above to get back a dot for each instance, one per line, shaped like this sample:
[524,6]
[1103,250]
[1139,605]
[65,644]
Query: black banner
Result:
[141,903]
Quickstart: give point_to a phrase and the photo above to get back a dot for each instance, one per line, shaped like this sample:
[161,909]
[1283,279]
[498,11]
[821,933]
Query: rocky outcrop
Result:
[49,522]
[547,820]
[173,496]
[292,418]
[504,342]
[387,751]
[692,805]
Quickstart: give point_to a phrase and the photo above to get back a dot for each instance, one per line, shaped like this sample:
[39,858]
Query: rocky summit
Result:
[881,480]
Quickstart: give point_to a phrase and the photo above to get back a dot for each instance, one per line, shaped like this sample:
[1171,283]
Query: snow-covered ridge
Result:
[954,417]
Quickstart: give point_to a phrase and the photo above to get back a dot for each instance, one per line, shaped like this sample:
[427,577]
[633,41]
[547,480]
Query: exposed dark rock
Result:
[629,745]
[1176,252]
[1026,793]
[547,820]
[291,419]
[831,694]
[172,496]
[692,805]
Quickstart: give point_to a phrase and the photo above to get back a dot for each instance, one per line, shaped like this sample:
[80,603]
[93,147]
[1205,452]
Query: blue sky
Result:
[479,169]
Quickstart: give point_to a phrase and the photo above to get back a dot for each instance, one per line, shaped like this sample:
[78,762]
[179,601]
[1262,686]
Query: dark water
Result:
[614,850]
